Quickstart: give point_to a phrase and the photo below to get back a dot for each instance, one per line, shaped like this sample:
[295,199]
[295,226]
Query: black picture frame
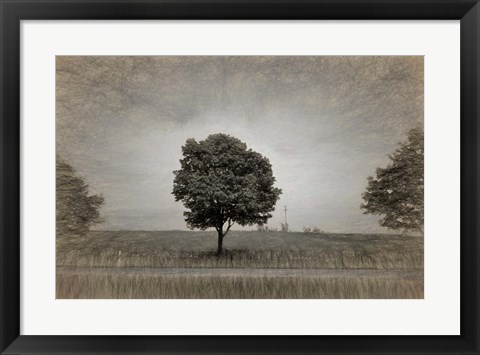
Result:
[12,12]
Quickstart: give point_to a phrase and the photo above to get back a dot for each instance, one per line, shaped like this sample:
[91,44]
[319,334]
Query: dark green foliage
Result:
[397,191]
[222,182]
[76,210]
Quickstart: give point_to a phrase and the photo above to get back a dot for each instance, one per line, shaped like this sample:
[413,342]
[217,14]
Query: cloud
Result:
[325,123]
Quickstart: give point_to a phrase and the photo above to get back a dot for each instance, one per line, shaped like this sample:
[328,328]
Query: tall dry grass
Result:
[167,249]
[95,286]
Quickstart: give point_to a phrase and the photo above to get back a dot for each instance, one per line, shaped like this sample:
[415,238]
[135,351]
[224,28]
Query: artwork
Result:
[239,177]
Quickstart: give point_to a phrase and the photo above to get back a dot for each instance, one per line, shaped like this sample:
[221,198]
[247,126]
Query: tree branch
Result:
[230,224]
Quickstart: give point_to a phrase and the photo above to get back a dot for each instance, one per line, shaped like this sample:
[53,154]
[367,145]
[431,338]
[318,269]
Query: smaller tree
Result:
[262,228]
[76,210]
[397,190]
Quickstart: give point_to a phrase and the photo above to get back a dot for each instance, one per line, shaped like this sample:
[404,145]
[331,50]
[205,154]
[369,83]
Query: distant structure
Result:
[285,226]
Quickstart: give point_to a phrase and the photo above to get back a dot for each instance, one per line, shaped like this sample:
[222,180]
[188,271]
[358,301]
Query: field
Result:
[172,264]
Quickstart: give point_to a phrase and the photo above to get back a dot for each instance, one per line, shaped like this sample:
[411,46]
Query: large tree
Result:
[397,190]
[221,182]
[76,210]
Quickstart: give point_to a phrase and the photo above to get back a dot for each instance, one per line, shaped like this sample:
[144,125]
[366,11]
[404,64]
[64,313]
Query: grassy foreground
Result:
[243,250]
[244,287]
[246,250]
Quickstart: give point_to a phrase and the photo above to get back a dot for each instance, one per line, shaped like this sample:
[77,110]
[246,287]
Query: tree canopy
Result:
[76,210]
[221,182]
[397,190]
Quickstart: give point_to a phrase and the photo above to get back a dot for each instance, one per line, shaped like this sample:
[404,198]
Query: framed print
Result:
[201,178]
[244,247]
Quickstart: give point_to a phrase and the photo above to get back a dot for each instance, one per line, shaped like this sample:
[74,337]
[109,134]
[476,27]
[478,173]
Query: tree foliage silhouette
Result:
[397,190]
[76,210]
[221,182]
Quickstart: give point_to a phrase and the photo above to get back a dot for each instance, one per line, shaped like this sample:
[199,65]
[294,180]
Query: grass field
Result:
[114,286]
[245,250]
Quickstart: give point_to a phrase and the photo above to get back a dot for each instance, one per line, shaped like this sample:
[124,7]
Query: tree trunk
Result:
[220,242]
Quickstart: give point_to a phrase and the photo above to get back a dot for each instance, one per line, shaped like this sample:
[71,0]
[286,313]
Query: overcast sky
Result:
[325,123]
